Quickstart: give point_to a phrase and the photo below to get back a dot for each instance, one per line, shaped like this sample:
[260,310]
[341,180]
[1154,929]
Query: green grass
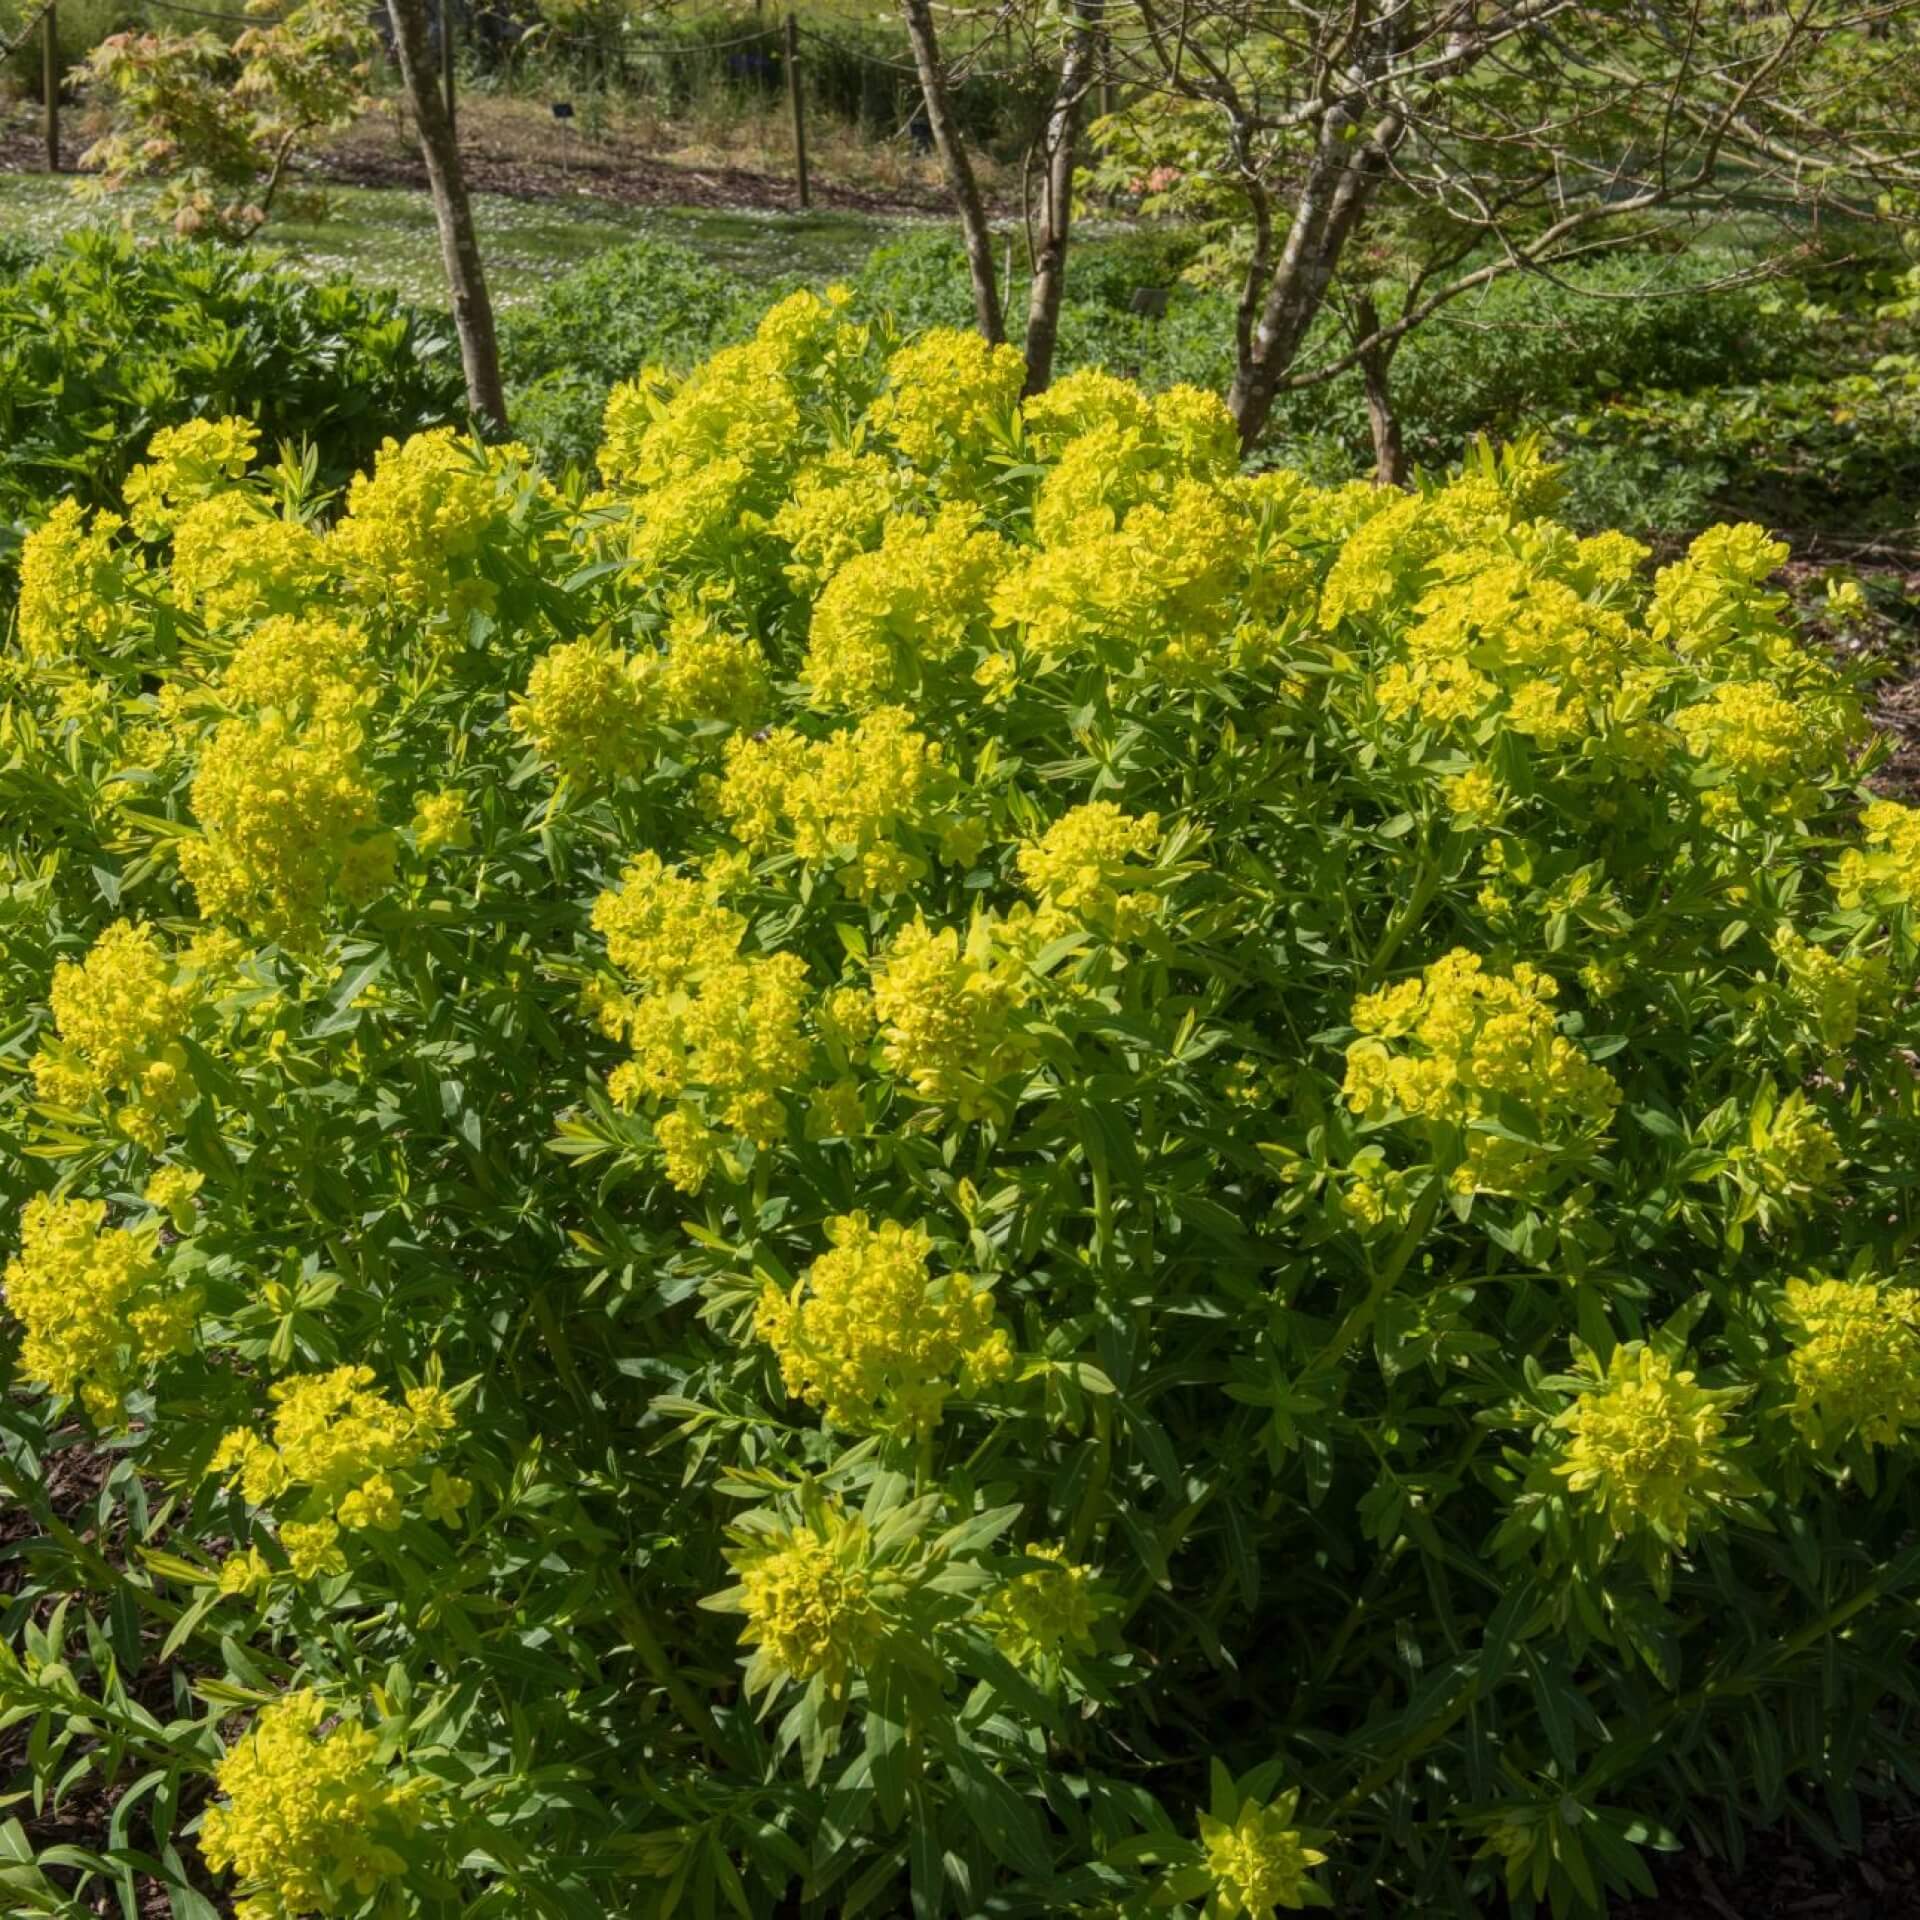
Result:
[385,236]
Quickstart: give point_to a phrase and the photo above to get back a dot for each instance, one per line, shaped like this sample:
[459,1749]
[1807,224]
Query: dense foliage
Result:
[105,342]
[942,1161]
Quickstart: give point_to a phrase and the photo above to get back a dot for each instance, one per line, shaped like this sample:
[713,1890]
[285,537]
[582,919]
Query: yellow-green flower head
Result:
[337,1437]
[1389,557]
[871,1338]
[1828,989]
[1077,868]
[949,401]
[287,820]
[706,671]
[1164,587]
[76,585]
[186,464]
[1648,1445]
[589,710]
[94,1302]
[1460,1042]
[1714,597]
[305,668]
[1259,1862]
[417,524]
[310,1812]
[173,1191]
[441,820]
[706,1019]
[810,1596]
[1856,1361]
[120,1015]
[1751,731]
[235,560]
[1885,870]
[1789,1153]
[839,507]
[915,600]
[1046,1613]
[842,798]
[1112,448]
[740,410]
[945,1011]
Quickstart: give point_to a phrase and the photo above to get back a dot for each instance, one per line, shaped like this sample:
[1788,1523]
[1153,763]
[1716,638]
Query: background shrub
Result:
[106,341]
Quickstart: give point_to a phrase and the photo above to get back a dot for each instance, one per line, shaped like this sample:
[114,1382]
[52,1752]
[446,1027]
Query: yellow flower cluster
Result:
[94,1301]
[1078,867]
[705,670]
[307,669]
[1047,1612]
[945,1011]
[705,1019]
[1161,588]
[234,560]
[950,405]
[1113,448]
[1713,601]
[588,710]
[1751,732]
[875,1342]
[1885,872]
[1647,1445]
[810,1594]
[343,1442]
[1829,990]
[839,506]
[416,527]
[77,588]
[310,1812]
[287,818]
[184,465]
[1855,1363]
[845,798]
[917,599]
[120,1015]
[1258,1862]
[1460,1044]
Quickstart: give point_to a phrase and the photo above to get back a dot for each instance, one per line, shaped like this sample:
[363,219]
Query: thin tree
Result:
[452,212]
[1502,136]
[956,164]
[1060,153]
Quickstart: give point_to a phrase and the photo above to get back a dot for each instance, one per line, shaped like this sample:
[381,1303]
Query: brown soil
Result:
[515,148]
[613,166]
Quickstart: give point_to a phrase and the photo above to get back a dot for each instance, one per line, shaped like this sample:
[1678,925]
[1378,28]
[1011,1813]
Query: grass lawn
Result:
[385,235]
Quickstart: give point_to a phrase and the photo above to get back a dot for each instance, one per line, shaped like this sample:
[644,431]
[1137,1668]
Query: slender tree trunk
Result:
[1062,150]
[1389,452]
[459,248]
[959,169]
[1339,186]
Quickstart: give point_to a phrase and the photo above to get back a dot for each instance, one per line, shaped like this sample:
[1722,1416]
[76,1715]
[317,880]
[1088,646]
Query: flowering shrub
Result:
[940,1160]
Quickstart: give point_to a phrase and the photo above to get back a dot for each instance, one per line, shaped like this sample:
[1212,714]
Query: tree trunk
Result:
[1062,150]
[1339,186]
[1389,453]
[459,248]
[959,169]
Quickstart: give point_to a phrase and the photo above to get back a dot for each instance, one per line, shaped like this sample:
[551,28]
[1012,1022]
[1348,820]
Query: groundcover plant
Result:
[939,1162]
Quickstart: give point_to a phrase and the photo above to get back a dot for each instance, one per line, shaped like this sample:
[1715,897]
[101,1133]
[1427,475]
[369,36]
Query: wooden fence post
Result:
[50,84]
[446,56]
[794,94]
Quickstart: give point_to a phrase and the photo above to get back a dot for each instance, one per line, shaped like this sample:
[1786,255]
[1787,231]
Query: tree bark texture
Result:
[957,166]
[1077,63]
[452,212]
